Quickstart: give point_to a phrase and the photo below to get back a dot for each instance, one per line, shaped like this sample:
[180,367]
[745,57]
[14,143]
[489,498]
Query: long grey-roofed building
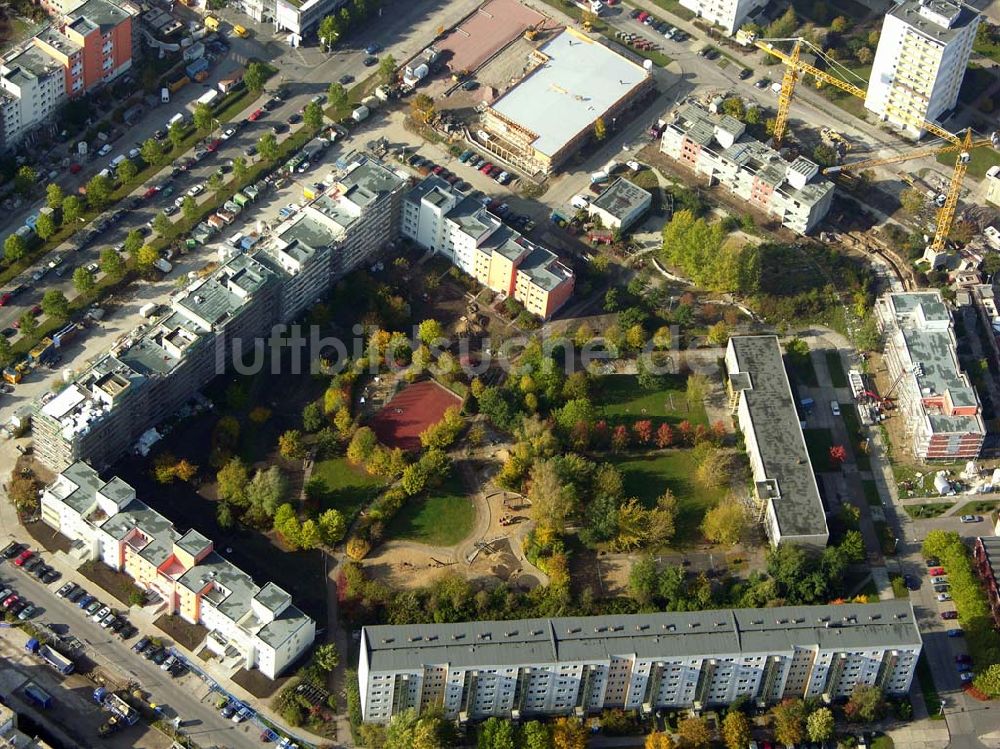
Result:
[580,665]
[785,486]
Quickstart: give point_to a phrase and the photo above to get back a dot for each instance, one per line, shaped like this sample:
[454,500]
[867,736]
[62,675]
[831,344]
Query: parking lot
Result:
[84,619]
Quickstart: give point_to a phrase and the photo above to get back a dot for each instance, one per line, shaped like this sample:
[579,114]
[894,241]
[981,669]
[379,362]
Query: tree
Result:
[146,257]
[151,152]
[332,526]
[14,248]
[713,469]
[309,535]
[313,115]
[111,263]
[785,26]
[422,108]
[161,224]
[254,78]
[329,31]
[865,705]
[724,523]
[789,721]
[83,280]
[202,116]
[536,735]
[988,680]
[185,470]
[291,446]
[267,146]
[336,96]
[694,733]
[45,226]
[6,351]
[176,134]
[659,740]
[825,155]
[326,657]
[24,180]
[819,725]
[312,417]
[551,500]
[264,493]
[912,200]
[362,445]
[126,171]
[387,69]
[734,107]
[99,191]
[569,733]
[232,481]
[430,332]
[240,168]
[865,56]
[71,209]
[189,207]
[27,324]
[736,730]
[55,304]
[838,455]
[600,129]
[718,334]
[132,243]
[839,25]
[53,196]
[224,515]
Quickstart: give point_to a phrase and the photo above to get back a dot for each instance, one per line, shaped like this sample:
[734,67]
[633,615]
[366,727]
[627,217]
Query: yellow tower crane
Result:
[795,67]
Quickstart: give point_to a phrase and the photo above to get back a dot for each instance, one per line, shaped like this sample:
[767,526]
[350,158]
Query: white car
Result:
[966,677]
[105,150]
[938,580]
[228,133]
[101,613]
[944,597]
[196,190]
[835,408]
[971,518]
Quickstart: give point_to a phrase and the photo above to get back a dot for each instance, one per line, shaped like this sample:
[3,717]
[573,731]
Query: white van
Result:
[579,201]
[164,95]
[176,118]
[117,160]
[105,173]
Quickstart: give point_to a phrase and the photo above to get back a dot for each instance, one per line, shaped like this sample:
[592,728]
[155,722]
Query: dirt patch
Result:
[184,633]
[401,421]
[259,685]
[485,32]
[118,584]
[49,538]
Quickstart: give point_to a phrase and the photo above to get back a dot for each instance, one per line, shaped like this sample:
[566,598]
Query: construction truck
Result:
[240,31]
[211,23]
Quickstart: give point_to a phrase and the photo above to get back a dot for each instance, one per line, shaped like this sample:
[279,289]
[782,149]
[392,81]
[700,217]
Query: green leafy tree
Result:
[240,168]
[291,445]
[336,96]
[126,171]
[267,146]
[535,735]
[312,417]
[111,263]
[99,191]
[789,722]
[14,248]
[724,523]
[865,705]
[83,280]
[332,526]
[202,116]
[310,536]
[224,515]
[988,680]
[189,207]
[27,324]
[387,69]
[24,180]
[176,134]
[264,493]
[430,331]
[6,351]
[313,115]
[145,257]
[254,77]
[736,730]
[45,226]
[326,657]
[132,243]
[329,31]
[72,208]
[151,152]
[232,481]
[53,196]
[55,304]
[161,224]
[819,725]
[552,500]
[215,183]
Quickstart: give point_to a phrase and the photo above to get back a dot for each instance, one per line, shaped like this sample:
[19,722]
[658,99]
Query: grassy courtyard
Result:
[442,518]
[345,487]
[624,401]
[647,477]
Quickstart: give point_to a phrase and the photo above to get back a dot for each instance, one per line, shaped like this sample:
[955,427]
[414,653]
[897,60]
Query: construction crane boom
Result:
[907,156]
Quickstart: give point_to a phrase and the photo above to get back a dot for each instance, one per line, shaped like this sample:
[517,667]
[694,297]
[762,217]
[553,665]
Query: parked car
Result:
[66,589]
[108,620]
[98,614]
[949,615]
[76,595]
[11,550]
[966,677]
[85,601]
[971,518]
[27,612]
[227,711]
[23,557]
[944,597]
[256,115]
[942,588]
[934,571]
[932,562]
[141,645]
[955,633]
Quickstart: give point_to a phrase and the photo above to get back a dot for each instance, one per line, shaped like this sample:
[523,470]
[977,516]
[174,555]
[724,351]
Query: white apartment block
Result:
[106,522]
[34,87]
[716,147]
[920,61]
[784,483]
[581,665]
[441,220]
[729,14]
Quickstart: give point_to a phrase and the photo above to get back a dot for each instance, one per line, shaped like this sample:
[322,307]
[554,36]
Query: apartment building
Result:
[106,522]
[581,665]
[729,14]
[784,484]
[922,55]
[299,17]
[986,556]
[34,87]
[621,205]
[150,374]
[442,220]
[215,321]
[717,148]
[941,410]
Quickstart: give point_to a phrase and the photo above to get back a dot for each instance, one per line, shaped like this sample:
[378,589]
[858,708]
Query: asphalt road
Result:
[186,696]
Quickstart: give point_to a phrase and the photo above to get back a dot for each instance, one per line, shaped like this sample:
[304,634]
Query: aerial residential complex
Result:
[784,484]
[150,374]
[581,665]
[577,77]
[107,523]
[729,14]
[717,148]
[87,45]
[942,412]
[443,220]
[922,55]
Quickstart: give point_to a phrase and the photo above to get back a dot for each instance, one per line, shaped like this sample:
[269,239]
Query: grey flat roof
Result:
[798,508]
[581,80]
[959,17]
[622,197]
[283,626]
[309,233]
[103,14]
[657,635]
[368,179]
[226,290]
[31,62]
[473,219]
[77,486]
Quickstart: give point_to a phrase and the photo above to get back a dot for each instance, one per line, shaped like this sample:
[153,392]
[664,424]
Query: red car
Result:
[150,193]
[944,614]
[36,310]
[438,169]
[935,571]
[10,601]
[214,145]
[75,168]
[23,557]
[485,168]
[256,115]
[5,297]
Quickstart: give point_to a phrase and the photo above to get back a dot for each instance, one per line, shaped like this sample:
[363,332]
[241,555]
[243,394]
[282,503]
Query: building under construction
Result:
[569,84]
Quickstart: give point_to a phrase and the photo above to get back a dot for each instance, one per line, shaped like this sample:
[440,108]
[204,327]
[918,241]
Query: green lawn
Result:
[442,518]
[980,160]
[674,7]
[624,400]
[927,510]
[978,507]
[346,487]
[647,477]
[819,442]
[836,367]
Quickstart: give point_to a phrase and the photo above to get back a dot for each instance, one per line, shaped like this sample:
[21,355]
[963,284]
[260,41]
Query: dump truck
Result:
[36,695]
[116,706]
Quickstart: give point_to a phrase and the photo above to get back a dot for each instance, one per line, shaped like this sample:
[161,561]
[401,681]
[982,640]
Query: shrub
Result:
[358,548]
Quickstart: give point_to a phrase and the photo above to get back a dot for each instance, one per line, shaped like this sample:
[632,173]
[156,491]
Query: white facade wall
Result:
[729,14]
[34,100]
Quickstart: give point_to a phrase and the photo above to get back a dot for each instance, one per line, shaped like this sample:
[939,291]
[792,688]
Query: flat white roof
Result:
[63,403]
[581,80]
